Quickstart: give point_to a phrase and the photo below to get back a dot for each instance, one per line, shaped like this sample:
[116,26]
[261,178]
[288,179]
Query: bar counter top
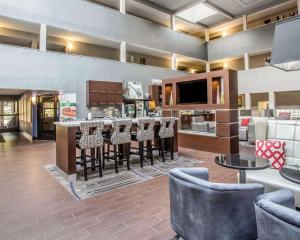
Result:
[107,121]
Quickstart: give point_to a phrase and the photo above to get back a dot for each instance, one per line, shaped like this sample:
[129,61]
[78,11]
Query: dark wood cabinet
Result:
[103,92]
[155,92]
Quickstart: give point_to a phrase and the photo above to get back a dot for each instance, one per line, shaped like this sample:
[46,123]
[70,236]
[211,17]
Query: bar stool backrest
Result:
[167,127]
[145,129]
[121,131]
[91,135]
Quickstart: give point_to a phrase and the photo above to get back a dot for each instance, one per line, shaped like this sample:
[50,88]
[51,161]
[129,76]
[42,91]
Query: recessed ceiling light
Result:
[196,13]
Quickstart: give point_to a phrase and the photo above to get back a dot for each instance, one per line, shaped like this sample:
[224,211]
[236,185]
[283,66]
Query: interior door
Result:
[47,115]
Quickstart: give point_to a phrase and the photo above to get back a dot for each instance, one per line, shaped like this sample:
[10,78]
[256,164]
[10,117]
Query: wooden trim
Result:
[227,129]
[227,116]
[221,145]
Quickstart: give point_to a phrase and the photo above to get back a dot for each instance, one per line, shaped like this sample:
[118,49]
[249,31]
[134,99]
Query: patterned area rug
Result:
[81,189]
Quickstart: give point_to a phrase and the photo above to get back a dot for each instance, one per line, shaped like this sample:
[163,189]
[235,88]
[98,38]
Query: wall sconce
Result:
[69,47]
[225,66]
[33,99]
[224,34]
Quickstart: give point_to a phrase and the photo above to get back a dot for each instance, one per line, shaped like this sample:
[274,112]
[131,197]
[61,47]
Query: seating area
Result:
[150,120]
[114,142]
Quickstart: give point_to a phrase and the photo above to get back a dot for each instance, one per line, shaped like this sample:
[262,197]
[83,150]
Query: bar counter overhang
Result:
[66,143]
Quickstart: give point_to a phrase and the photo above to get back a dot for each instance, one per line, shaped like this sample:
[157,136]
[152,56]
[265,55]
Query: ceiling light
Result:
[69,47]
[196,13]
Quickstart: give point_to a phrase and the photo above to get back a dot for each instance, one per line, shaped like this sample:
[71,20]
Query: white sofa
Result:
[289,132]
[245,131]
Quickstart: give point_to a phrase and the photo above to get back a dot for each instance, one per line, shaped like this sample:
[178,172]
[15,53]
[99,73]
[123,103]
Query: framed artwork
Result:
[135,90]
[67,105]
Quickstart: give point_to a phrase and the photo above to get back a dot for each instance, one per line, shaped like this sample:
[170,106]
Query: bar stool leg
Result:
[84,165]
[128,156]
[150,150]
[103,155]
[99,161]
[93,158]
[172,148]
[116,158]
[163,149]
[141,151]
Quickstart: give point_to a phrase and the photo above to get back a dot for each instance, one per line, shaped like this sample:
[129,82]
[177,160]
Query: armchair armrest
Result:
[285,214]
[201,173]
[282,197]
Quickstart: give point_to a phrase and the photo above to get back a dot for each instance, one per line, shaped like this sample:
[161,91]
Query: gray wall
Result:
[267,79]
[32,69]
[251,41]
[97,21]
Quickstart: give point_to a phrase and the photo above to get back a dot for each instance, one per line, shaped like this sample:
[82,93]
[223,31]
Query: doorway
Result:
[9,114]
[47,114]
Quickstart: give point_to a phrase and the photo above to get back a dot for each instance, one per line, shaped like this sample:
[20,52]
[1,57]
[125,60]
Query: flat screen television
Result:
[192,92]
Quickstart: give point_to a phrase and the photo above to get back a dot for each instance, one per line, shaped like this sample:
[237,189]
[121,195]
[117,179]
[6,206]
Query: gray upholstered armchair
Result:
[201,210]
[276,216]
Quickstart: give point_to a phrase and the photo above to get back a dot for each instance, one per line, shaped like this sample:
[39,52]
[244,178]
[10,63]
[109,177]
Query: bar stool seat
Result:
[145,133]
[166,133]
[120,140]
[91,138]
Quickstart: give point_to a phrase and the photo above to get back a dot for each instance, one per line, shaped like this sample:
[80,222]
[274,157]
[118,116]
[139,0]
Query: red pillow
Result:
[284,115]
[245,122]
[271,150]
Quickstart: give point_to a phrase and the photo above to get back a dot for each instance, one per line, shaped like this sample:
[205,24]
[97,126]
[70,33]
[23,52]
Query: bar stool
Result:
[120,140]
[145,133]
[166,132]
[91,138]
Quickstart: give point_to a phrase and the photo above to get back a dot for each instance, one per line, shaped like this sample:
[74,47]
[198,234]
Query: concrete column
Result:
[246,61]
[123,53]
[173,22]
[247,101]
[123,6]
[43,37]
[272,100]
[206,32]
[245,23]
[207,67]
[174,61]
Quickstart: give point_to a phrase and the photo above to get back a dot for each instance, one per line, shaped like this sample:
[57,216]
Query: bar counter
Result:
[66,142]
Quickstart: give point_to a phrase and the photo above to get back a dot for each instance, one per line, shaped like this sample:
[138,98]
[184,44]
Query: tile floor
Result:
[35,206]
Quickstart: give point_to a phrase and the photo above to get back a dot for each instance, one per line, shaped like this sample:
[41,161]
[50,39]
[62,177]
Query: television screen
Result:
[192,92]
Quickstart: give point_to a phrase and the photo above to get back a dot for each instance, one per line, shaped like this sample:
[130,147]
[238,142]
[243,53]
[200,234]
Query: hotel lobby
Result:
[150,119]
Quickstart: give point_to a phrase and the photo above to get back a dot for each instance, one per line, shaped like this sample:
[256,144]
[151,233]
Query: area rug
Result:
[95,186]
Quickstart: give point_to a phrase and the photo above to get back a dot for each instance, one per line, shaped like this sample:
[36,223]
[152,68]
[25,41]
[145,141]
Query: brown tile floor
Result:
[35,206]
